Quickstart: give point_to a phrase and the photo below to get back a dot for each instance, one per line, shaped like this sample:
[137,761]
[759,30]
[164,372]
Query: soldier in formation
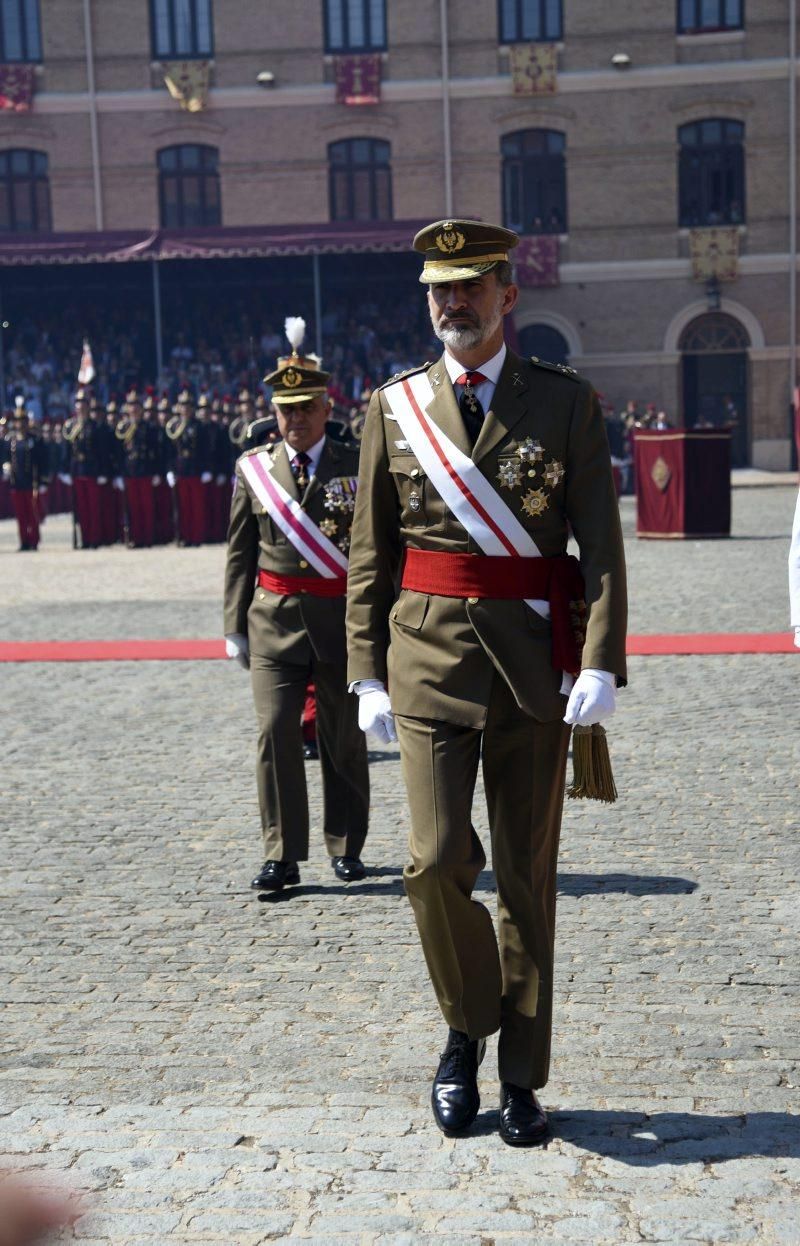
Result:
[24,463]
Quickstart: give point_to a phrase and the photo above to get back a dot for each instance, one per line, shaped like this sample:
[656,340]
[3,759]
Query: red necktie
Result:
[469,404]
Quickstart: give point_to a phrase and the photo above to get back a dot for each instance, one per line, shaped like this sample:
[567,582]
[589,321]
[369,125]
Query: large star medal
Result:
[328,526]
[534,503]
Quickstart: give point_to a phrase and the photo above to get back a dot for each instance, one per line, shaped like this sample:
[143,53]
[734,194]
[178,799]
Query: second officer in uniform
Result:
[285,585]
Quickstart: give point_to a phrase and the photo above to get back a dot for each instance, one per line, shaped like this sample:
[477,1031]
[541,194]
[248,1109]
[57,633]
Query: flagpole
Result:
[2,363]
[317,303]
[448,146]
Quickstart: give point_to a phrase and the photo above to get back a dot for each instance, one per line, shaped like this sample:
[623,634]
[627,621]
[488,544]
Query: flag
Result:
[536,260]
[796,398]
[16,87]
[715,253]
[86,372]
[534,68]
[358,79]
[188,83]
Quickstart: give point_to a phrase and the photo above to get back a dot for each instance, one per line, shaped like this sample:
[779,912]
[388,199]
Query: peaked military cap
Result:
[185,396]
[163,403]
[82,395]
[133,397]
[297,378]
[460,250]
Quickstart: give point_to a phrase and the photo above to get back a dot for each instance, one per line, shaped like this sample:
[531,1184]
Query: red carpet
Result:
[199,650]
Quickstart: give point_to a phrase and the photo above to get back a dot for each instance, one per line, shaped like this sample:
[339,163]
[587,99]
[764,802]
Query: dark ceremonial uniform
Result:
[293,616]
[91,466]
[190,462]
[24,457]
[138,458]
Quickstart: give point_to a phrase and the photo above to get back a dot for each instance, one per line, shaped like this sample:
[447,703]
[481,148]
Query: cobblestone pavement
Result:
[215,1069]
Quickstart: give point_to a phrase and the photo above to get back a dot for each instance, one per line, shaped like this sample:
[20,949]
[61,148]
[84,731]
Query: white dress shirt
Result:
[314,454]
[491,370]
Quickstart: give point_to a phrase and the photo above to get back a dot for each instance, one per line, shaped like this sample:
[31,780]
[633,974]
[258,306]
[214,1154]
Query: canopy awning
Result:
[221,242]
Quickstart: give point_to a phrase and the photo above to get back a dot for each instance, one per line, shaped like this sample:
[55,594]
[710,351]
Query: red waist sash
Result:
[558,581]
[314,585]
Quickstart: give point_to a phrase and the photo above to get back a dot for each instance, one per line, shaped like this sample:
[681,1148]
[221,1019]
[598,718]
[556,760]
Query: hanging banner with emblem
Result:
[536,260]
[16,87]
[358,79]
[715,253]
[188,83]
[534,68]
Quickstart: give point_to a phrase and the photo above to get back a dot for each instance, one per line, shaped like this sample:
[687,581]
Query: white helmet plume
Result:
[295,327]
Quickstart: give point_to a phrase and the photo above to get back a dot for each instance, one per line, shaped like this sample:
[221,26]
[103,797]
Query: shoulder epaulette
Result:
[258,450]
[399,375]
[555,367]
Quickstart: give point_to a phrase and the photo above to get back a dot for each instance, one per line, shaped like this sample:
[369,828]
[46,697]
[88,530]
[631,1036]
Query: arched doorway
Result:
[545,342]
[715,383]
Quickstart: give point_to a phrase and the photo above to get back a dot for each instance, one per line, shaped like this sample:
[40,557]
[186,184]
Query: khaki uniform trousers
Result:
[279,691]
[482,987]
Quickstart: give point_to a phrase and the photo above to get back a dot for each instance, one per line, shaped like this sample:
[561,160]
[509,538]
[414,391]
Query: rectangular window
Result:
[181,29]
[355,26]
[530,21]
[20,36]
[696,17]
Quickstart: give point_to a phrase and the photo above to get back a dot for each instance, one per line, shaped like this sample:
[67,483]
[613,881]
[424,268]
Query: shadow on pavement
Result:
[668,1137]
[679,1137]
[568,885]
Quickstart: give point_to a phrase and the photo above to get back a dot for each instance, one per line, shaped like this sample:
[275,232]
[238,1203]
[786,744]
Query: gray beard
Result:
[466,338]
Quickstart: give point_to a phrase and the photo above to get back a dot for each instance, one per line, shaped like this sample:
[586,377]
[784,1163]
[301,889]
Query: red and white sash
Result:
[290,517]
[461,484]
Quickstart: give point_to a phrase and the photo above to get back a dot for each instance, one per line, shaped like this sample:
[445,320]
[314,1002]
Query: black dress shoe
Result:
[349,869]
[523,1120]
[454,1097]
[310,750]
[275,875]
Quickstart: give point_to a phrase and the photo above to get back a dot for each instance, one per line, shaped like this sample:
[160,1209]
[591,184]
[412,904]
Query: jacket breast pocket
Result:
[412,488]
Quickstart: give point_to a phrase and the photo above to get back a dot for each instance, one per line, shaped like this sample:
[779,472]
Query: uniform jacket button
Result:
[472,601]
[303,563]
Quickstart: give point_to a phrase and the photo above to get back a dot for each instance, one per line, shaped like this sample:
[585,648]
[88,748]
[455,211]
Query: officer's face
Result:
[466,313]
[302,424]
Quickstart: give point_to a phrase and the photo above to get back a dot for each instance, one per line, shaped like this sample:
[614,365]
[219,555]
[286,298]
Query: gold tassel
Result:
[592,778]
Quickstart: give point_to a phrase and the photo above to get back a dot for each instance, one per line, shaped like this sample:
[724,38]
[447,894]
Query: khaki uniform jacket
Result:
[287,629]
[433,649]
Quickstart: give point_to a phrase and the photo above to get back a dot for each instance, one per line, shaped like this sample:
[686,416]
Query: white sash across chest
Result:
[460,483]
[292,520]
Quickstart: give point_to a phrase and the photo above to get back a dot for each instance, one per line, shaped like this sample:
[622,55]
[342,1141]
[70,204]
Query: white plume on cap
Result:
[295,327]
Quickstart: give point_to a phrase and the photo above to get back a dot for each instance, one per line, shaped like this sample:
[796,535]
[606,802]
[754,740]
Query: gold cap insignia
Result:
[292,378]
[450,239]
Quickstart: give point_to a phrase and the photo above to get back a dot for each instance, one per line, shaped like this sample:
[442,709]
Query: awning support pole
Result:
[157,319]
[317,305]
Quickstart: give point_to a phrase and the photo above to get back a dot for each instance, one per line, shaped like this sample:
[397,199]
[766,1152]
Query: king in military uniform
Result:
[473,472]
[285,584]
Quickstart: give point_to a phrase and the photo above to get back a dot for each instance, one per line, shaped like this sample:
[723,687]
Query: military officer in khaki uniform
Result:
[285,584]
[473,471]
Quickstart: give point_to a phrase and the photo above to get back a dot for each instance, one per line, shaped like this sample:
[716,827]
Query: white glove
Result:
[65,478]
[375,710]
[797,638]
[118,483]
[206,477]
[171,479]
[102,480]
[7,471]
[221,479]
[237,647]
[43,488]
[155,482]
[593,698]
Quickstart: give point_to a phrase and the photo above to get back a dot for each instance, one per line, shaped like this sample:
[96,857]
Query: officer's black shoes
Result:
[310,750]
[454,1097]
[275,875]
[523,1121]
[349,869]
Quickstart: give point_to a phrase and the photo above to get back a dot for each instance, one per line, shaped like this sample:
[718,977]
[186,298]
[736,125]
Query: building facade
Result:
[665,118]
